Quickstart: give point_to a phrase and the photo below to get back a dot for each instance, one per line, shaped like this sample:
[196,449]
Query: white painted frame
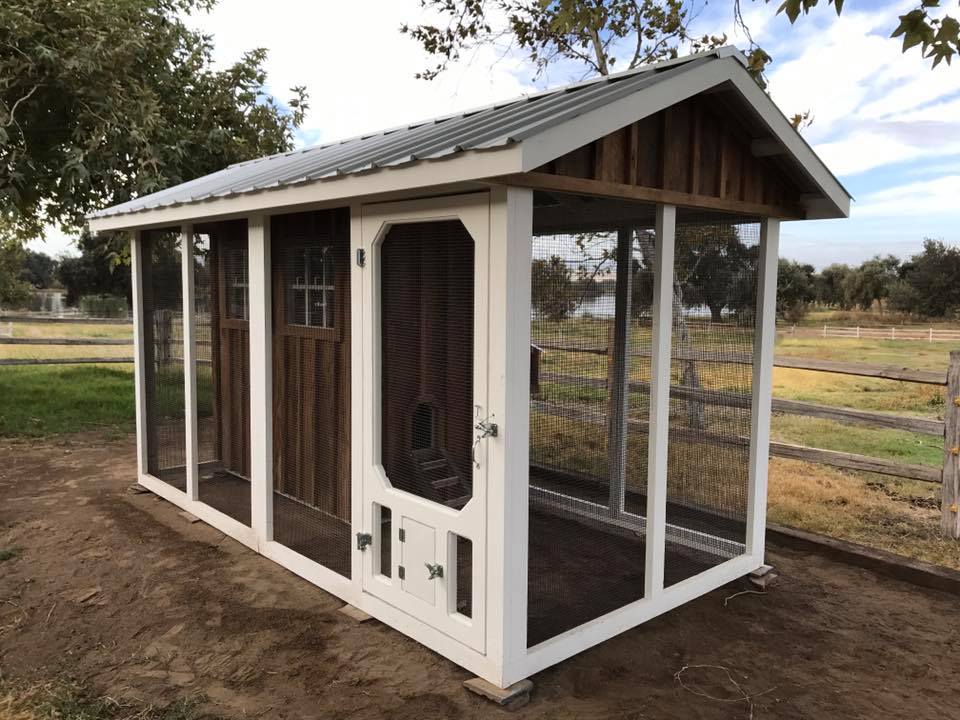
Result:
[473,211]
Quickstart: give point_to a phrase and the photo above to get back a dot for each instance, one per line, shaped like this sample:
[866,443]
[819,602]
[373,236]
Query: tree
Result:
[91,273]
[13,290]
[930,284]
[715,268]
[871,282]
[937,37]
[39,269]
[553,288]
[600,35]
[102,101]
[795,289]
[830,286]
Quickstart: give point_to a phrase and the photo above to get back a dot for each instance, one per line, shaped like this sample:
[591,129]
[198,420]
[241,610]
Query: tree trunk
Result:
[716,313]
[690,378]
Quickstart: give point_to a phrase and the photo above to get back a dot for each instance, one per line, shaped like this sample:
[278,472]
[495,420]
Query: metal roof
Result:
[486,128]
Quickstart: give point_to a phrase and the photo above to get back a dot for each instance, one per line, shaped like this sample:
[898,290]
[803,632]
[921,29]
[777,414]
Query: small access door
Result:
[425,422]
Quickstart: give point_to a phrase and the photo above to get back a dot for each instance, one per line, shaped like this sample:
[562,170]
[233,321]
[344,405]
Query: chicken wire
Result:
[311,385]
[222,352]
[162,326]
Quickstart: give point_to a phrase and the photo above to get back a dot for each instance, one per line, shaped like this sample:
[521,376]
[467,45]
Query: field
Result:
[901,516]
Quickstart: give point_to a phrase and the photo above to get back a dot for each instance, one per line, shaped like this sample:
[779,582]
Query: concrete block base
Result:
[510,698]
[763,577]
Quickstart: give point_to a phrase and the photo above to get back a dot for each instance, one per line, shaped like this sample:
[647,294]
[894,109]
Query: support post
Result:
[659,436]
[261,378]
[511,230]
[762,387]
[618,373]
[139,349]
[950,519]
[189,362]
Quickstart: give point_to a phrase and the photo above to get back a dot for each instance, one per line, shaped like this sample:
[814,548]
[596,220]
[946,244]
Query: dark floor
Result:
[227,493]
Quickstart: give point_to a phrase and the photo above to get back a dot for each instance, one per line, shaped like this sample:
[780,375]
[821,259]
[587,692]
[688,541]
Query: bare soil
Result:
[120,592]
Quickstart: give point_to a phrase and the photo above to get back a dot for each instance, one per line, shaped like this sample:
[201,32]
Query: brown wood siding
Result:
[311,372]
[691,147]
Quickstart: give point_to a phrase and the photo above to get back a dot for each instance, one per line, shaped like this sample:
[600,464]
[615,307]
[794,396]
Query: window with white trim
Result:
[310,287]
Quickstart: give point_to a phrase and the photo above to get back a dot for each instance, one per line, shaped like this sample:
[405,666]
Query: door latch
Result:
[363,540]
[435,570]
[485,429]
[361,257]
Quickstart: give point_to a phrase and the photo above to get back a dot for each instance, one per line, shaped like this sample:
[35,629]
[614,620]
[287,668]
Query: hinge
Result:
[361,257]
[403,535]
[363,540]
[401,573]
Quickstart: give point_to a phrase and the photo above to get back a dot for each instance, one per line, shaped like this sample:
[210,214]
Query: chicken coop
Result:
[500,379]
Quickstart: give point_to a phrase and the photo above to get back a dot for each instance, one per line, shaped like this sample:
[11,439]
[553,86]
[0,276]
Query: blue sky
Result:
[887,125]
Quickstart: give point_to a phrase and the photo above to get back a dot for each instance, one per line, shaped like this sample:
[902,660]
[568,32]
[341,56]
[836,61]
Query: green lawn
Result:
[50,399]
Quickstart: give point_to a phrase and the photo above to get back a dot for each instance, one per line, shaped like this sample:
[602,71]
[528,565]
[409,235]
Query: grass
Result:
[66,700]
[113,331]
[50,399]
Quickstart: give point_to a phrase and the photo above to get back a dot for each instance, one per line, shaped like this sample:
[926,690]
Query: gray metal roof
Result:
[486,128]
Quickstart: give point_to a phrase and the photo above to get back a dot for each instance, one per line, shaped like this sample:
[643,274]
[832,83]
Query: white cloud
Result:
[924,198]
[357,66]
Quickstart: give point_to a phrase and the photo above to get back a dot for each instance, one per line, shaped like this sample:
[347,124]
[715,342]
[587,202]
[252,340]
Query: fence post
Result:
[824,330]
[931,334]
[858,332]
[950,519]
[893,332]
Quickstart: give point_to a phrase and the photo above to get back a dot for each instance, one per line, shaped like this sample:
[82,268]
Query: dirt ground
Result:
[120,592]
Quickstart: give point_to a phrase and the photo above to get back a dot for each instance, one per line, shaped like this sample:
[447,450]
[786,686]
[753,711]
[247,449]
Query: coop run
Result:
[500,379]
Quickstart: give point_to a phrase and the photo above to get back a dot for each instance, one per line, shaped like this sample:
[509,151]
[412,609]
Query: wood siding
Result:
[692,147]
[311,372]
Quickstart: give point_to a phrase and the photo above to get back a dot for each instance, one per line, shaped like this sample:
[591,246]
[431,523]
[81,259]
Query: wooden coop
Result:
[500,379]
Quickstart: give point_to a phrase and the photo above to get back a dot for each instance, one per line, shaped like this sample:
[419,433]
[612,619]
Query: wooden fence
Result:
[902,332]
[949,429]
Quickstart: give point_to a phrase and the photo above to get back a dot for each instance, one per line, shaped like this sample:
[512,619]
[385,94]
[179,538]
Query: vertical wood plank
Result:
[261,377]
[762,388]
[950,520]
[189,362]
[618,365]
[658,449]
[696,135]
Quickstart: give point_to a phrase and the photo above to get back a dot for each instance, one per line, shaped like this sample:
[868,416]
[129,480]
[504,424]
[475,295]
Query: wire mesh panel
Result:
[311,385]
[714,302]
[222,337]
[426,360]
[162,324]
[590,334]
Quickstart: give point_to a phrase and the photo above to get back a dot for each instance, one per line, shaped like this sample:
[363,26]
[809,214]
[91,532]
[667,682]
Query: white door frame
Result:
[470,522]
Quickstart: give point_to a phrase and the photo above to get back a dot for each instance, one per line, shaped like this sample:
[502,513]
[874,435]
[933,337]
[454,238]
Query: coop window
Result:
[236,286]
[310,287]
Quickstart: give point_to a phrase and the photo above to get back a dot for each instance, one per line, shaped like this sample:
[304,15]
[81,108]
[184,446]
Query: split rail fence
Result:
[949,429]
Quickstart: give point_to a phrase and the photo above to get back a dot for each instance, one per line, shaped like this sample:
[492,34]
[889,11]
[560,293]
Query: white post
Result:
[261,378]
[189,362]
[763,342]
[893,332]
[139,368]
[858,332]
[659,435]
[824,330]
[931,334]
[511,229]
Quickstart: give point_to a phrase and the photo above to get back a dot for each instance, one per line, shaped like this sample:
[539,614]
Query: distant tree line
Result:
[716,271]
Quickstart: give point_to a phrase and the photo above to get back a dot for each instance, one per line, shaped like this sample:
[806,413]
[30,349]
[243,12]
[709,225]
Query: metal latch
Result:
[403,534]
[361,257]
[485,429]
[401,572]
[363,540]
[435,570]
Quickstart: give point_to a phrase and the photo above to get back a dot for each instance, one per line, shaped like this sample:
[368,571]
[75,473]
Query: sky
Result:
[887,125]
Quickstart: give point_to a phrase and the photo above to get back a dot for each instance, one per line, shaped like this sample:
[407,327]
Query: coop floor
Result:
[313,533]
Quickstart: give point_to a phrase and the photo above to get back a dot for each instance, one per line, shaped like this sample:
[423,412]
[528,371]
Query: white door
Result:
[424,329]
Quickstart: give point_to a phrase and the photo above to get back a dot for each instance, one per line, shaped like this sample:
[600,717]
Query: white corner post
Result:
[762,387]
[511,229]
[189,362]
[139,351]
[261,378]
[659,433]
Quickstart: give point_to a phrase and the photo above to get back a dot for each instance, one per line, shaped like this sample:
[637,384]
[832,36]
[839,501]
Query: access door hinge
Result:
[363,540]
[401,572]
[361,257]
[403,535]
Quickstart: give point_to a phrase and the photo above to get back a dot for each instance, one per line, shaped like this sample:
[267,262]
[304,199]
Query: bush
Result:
[104,306]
